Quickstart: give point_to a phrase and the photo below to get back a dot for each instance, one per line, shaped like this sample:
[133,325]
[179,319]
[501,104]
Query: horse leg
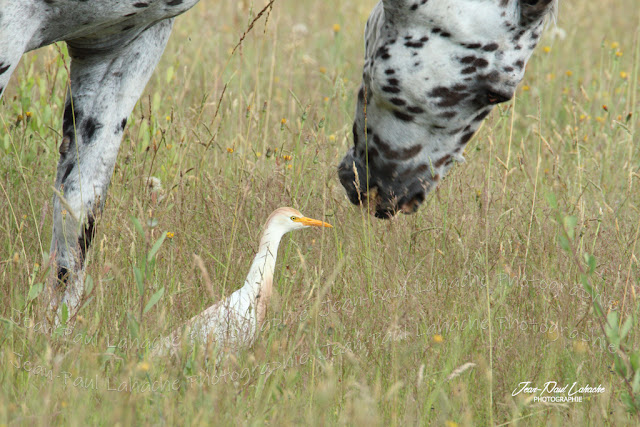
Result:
[107,78]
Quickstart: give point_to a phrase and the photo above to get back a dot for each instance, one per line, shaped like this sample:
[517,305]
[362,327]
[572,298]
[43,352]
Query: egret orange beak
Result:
[309,222]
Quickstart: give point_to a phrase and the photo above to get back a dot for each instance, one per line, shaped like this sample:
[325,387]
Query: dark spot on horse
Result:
[389,71]
[140,4]
[441,161]
[393,82]
[508,69]
[383,52]
[63,276]
[90,127]
[68,122]
[445,34]
[130,14]
[84,241]
[448,97]
[391,89]
[493,77]
[390,153]
[519,63]
[355,134]
[415,110]
[468,70]
[472,45]
[422,168]
[127,27]
[174,2]
[3,67]
[398,101]
[415,45]
[465,138]
[120,127]
[67,172]
[490,47]
[448,115]
[481,63]
[481,116]
[468,59]
[403,116]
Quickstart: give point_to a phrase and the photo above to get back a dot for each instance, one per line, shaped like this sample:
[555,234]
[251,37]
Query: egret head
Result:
[288,219]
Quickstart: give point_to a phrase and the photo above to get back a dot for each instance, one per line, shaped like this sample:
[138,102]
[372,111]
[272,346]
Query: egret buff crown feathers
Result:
[433,71]
[235,321]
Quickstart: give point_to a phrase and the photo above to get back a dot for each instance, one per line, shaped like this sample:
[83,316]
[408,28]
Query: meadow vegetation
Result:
[372,322]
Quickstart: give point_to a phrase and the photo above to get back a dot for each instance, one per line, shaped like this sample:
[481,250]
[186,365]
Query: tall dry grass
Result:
[370,319]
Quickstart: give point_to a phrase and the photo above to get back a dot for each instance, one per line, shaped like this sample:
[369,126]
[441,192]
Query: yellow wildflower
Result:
[336,28]
[438,339]
[170,235]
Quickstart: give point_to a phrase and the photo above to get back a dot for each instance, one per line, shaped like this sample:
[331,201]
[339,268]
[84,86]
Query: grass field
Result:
[369,319]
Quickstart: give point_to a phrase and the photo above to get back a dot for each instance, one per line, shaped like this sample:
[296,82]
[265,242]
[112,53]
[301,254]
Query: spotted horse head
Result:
[433,71]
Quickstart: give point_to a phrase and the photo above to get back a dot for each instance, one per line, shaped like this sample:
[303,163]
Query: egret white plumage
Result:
[235,321]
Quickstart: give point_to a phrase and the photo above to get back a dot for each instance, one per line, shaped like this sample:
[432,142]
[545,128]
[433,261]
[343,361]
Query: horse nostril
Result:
[494,97]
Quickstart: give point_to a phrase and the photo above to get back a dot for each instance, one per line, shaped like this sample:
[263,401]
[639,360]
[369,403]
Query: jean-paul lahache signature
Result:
[557,393]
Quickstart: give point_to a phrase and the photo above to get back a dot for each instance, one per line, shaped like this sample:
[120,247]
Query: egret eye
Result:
[293,218]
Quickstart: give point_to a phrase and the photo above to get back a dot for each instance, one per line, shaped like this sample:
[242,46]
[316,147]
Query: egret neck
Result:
[258,286]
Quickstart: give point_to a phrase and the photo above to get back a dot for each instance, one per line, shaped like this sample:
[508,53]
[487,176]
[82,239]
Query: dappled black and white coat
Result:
[433,70]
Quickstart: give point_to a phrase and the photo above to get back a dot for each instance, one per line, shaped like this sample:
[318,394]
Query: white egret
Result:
[235,321]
